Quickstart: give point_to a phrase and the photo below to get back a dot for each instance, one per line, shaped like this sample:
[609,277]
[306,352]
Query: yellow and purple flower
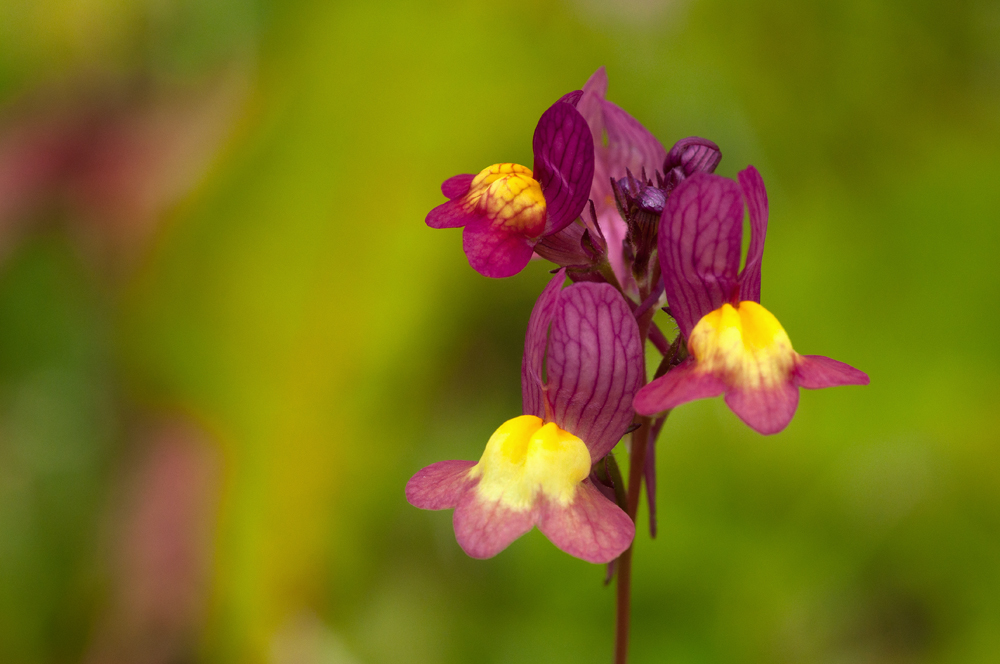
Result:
[536,469]
[736,347]
[507,209]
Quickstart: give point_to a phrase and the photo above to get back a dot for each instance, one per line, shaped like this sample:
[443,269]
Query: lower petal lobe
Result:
[766,410]
[493,252]
[678,386]
[814,372]
[440,485]
[591,528]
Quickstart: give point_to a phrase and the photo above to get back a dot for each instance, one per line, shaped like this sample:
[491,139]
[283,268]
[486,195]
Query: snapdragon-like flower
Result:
[582,366]
[507,209]
[737,347]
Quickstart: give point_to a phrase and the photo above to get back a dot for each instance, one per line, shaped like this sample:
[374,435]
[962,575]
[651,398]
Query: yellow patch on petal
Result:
[510,196]
[745,343]
[525,457]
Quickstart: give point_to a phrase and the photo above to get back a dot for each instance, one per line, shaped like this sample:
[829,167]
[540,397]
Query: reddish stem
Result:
[637,459]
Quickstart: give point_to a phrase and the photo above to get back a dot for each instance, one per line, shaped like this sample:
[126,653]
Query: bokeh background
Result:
[227,338]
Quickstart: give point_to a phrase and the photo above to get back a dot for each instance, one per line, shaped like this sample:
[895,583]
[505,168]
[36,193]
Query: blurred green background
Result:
[227,339]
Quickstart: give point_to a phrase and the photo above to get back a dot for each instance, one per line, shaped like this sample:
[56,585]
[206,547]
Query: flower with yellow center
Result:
[737,347]
[506,209]
[535,470]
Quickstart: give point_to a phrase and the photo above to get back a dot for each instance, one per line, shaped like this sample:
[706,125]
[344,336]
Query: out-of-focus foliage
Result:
[233,398]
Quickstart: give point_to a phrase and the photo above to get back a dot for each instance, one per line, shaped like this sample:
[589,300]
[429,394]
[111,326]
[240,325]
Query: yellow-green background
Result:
[297,307]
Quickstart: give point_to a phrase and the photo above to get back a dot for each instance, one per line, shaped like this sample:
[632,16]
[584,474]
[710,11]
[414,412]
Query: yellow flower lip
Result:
[746,344]
[509,196]
[526,457]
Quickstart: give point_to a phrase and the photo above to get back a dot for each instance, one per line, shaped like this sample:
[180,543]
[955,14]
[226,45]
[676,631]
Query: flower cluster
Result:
[630,224]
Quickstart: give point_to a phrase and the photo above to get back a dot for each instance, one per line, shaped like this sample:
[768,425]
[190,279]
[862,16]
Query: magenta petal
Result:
[678,386]
[699,242]
[755,194]
[457,185]
[621,143]
[535,340]
[450,215]
[484,529]
[438,486]
[815,371]
[591,528]
[572,97]
[493,252]
[765,410]
[594,365]
[564,163]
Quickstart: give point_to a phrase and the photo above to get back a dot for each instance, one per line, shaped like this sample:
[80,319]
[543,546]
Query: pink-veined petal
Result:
[494,252]
[766,410]
[484,528]
[535,340]
[814,372]
[699,243]
[591,527]
[755,194]
[439,486]
[620,143]
[457,185]
[450,215]
[594,365]
[564,163]
[678,386]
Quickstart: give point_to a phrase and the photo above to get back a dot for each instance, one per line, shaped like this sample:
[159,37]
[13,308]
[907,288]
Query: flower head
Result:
[536,467]
[737,347]
[507,208]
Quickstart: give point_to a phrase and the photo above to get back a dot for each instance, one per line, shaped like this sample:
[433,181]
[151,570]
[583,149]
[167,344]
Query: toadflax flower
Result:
[737,347]
[507,208]
[536,467]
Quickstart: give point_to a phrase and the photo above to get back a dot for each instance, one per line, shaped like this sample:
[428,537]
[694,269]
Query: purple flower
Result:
[536,467]
[621,143]
[507,208]
[737,347]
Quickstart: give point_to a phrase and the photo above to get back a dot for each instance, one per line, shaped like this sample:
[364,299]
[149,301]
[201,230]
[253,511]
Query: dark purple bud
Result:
[689,156]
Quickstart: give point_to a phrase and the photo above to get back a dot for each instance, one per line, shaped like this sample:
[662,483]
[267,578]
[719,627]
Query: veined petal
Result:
[457,185]
[484,528]
[591,527]
[493,252]
[440,485]
[699,246]
[535,340]
[680,385]
[594,365]
[766,409]
[564,163]
[620,143]
[814,372]
[453,214]
[755,194]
